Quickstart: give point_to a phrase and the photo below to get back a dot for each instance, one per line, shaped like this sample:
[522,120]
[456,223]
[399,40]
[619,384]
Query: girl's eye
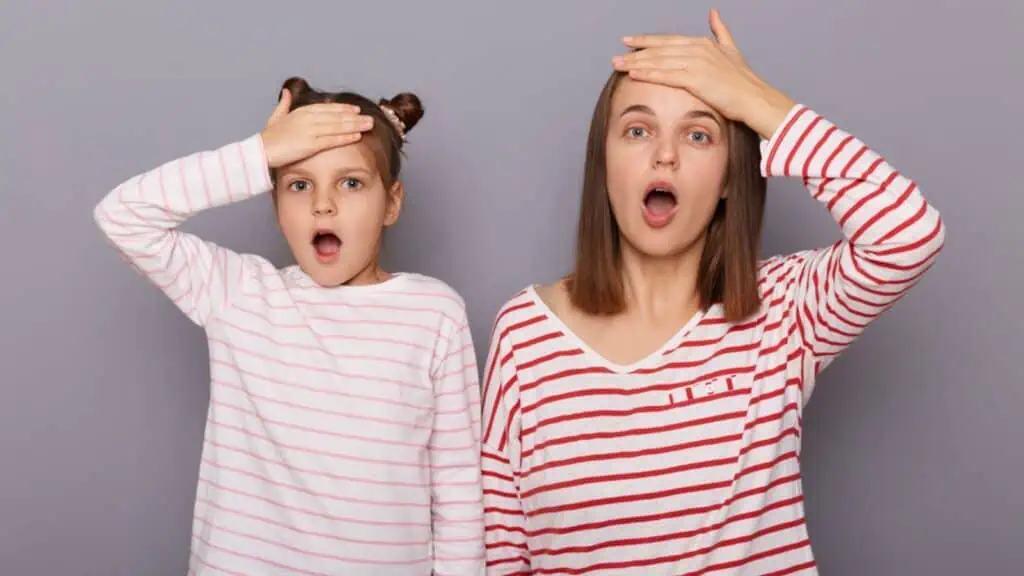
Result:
[299,186]
[352,183]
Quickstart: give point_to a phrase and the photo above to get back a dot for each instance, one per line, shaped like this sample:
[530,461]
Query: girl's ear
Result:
[394,203]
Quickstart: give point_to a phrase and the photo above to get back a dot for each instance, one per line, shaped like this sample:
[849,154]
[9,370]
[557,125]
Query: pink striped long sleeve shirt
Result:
[342,434]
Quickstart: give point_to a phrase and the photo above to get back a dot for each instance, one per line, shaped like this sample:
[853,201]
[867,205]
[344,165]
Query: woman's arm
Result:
[891,234]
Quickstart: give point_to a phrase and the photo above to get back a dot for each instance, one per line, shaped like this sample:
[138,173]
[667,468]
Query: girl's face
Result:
[666,155]
[332,208]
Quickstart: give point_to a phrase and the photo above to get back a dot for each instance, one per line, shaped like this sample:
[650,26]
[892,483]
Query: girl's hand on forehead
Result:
[712,69]
[292,136]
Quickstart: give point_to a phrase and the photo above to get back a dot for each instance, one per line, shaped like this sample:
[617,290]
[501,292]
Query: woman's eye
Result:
[700,137]
[636,132]
[351,183]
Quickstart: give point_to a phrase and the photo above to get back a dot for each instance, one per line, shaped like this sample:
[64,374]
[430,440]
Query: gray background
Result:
[913,458]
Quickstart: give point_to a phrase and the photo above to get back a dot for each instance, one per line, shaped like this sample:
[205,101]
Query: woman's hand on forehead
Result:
[710,68]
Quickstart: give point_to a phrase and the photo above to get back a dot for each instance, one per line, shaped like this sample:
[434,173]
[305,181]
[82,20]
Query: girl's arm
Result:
[457,508]
[505,523]
[891,234]
[142,215]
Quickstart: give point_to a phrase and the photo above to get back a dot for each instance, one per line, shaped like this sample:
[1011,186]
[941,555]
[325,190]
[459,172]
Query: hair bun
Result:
[296,86]
[407,106]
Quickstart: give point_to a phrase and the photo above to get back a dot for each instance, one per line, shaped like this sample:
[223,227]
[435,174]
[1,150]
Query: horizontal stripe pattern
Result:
[344,424]
[687,462]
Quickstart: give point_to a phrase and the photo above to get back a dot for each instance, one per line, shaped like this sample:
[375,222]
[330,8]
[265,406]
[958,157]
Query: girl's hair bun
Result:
[407,107]
[296,86]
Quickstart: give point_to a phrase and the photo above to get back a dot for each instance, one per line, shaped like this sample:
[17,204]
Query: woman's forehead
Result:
[656,100]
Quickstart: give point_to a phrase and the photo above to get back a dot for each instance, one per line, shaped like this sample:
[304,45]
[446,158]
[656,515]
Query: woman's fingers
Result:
[675,78]
[720,30]
[661,40]
[666,53]
[662,63]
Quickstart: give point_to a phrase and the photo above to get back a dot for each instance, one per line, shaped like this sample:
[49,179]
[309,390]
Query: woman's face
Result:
[666,155]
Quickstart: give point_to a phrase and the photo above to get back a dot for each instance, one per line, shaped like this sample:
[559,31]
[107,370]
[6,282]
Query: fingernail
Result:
[627,38]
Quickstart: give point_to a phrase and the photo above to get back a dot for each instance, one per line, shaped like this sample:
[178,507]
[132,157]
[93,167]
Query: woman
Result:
[643,415]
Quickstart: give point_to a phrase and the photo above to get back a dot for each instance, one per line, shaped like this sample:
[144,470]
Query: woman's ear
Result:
[394,203]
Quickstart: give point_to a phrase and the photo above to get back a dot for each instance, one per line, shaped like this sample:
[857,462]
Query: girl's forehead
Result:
[356,156]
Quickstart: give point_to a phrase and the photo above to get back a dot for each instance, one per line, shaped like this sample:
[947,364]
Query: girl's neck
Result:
[372,274]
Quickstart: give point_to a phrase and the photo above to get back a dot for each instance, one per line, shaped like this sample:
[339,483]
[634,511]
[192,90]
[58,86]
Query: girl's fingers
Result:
[334,140]
[325,108]
[342,124]
[283,105]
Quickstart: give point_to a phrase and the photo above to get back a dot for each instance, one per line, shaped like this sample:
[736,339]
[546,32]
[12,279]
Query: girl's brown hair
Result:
[729,262]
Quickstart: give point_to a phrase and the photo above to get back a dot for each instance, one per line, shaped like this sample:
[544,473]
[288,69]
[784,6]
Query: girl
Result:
[343,427]
[643,415]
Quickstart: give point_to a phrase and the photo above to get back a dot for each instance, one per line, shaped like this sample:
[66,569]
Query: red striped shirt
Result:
[687,461]
[342,435]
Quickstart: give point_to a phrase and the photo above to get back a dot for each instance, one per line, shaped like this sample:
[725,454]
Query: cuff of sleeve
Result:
[256,167]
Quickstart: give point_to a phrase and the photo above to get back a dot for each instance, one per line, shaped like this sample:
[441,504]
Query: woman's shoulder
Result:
[527,306]
[554,295]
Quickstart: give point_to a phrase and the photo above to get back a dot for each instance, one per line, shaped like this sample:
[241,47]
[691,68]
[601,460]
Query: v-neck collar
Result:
[595,357]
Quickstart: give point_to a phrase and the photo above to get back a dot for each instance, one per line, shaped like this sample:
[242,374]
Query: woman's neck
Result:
[661,289]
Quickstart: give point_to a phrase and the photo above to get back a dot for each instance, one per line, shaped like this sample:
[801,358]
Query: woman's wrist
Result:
[766,111]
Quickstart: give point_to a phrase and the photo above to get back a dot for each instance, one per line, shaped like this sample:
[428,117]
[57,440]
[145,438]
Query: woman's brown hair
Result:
[728,266]
[386,142]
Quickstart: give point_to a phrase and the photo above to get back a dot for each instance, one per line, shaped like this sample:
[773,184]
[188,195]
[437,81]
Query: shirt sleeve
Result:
[457,509]
[141,216]
[891,234]
[505,523]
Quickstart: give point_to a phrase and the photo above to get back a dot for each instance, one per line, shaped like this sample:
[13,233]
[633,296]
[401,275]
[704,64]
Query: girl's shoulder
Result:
[429,291]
